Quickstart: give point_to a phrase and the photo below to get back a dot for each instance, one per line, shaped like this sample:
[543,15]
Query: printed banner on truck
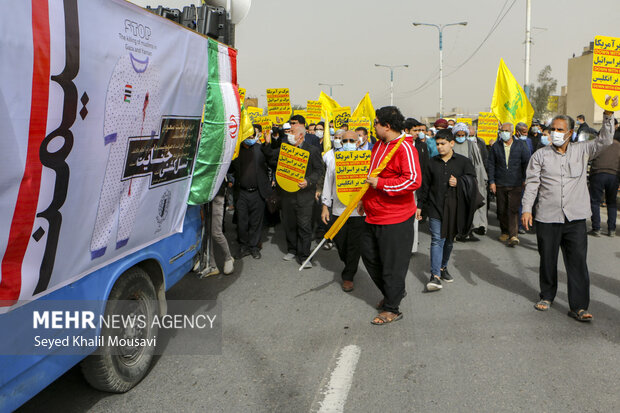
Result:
[99,133]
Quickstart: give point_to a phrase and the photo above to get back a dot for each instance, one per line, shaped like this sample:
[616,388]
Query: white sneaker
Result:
[289,257]
[228,266]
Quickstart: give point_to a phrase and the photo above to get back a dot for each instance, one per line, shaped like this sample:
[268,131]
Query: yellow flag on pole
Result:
[364,109]
[510,104]
[245,131]
[327,107]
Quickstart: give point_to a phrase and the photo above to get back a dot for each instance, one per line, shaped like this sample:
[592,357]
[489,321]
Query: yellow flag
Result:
[327,107]
[364,109]
[510,104]
[245,131]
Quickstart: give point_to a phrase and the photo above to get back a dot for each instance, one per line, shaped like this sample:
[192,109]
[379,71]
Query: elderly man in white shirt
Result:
[348,239]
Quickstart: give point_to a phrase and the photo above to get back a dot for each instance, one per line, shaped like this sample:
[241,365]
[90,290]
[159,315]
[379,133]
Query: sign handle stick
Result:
[318,247]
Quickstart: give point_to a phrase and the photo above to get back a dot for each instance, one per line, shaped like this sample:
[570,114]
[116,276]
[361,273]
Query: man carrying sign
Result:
[297,206]
[557,176]
[348,238]
[390,209]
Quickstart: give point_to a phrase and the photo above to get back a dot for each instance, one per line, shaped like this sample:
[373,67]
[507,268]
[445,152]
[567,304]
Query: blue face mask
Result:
[421,135]
[460,139]
[250,141]
[349,146]
[505,135]
[332,131]
[472,138]
[545,140]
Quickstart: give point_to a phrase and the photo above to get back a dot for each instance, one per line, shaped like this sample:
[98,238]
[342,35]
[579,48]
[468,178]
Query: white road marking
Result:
[340,382]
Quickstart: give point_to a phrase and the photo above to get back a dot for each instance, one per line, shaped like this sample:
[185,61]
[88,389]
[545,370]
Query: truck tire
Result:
[117,373]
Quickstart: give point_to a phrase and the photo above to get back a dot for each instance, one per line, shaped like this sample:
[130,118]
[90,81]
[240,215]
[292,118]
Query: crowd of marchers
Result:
[545,177]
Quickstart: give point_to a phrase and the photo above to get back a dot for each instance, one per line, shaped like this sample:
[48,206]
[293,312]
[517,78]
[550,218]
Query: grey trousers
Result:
[217,235]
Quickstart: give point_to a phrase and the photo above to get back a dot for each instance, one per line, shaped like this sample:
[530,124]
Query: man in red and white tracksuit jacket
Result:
[390,212]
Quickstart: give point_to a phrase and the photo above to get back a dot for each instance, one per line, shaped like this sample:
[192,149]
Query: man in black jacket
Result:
[297,206]
[252,188]
[508,159]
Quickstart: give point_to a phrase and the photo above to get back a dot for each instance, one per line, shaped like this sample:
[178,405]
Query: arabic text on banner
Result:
[341,116]
[606,72]
[292,165]
[466,121]
[355,123]
[314,111]
[351,173]
[120,174]
[254,113]
[241,96]
[487,126]
[279,105]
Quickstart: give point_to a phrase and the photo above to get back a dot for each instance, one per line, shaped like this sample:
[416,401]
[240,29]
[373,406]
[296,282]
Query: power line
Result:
[435,76]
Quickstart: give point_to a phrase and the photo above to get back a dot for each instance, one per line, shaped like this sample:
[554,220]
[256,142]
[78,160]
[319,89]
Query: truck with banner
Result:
[117,124]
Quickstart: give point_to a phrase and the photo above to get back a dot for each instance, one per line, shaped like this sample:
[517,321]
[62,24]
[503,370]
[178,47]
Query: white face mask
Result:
[291,139]
[360,139]
[505,135]
[472,138]
[319,133]
[557,138]
[337,143]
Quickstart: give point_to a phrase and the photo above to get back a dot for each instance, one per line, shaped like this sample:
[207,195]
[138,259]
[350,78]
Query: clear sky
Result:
[298,44]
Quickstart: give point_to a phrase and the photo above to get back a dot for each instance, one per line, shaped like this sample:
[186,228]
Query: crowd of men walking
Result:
[443,175]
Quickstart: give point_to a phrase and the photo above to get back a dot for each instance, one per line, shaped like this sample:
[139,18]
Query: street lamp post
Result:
[331,85]
[440,28]
[391,67]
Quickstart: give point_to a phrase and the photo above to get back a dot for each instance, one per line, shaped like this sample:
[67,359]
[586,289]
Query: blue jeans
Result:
[440,247]
[599,183]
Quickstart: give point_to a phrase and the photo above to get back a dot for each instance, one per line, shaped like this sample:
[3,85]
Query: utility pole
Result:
[440,28]
[331,85]
[391,67]
[528,43]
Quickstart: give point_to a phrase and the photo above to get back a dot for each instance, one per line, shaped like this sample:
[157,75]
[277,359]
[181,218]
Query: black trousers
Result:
[297,220]
[572,237]
[386,250]
[349,243]
[508,202]
[250,215]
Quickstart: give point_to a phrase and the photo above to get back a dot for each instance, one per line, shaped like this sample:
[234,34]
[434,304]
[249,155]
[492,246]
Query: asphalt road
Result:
[477,345]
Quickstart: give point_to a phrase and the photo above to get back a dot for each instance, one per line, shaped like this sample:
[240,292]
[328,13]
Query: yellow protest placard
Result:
[254,113]
[279,103]
[241,95]
[355,123]
[314,111]
[466,121]
[552,103]
[302,113]
[487,126]
[341,116]
[292,165]
[606,72]
[264,122]
[351,173]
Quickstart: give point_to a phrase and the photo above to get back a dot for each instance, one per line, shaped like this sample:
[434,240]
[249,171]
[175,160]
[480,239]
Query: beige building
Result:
[577,95]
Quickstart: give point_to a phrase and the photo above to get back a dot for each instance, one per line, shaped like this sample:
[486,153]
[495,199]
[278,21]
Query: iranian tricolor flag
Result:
[220,125]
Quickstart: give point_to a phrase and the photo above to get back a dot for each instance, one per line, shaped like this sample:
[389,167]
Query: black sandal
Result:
[381,318]
[580,315]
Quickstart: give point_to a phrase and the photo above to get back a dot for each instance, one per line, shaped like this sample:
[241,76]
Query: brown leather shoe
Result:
[347,286]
